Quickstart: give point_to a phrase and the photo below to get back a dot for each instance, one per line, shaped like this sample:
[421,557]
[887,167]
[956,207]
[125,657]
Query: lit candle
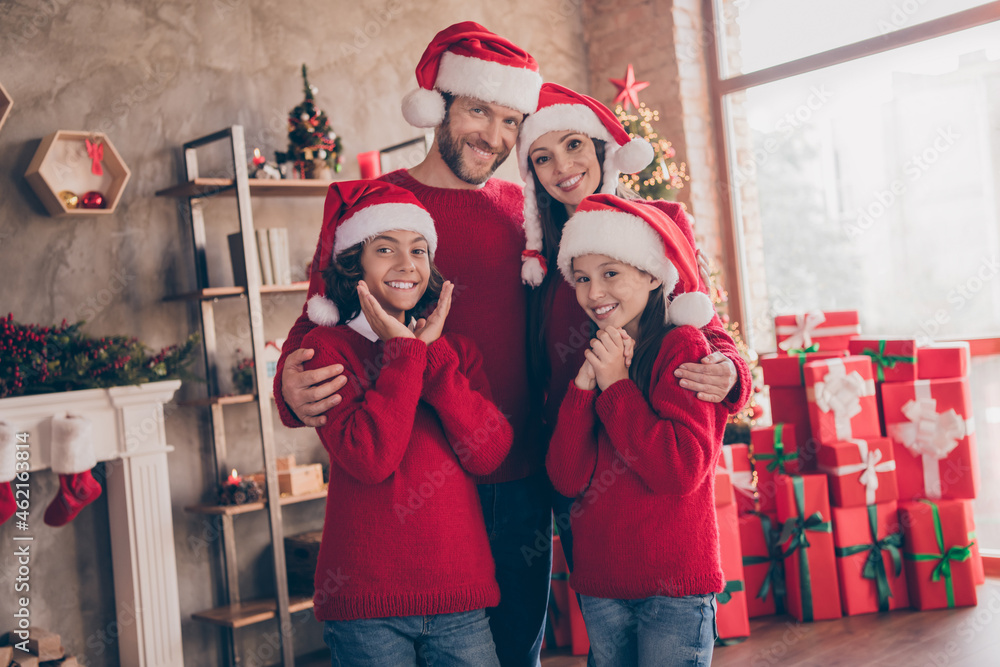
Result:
[258,159]
[234,479]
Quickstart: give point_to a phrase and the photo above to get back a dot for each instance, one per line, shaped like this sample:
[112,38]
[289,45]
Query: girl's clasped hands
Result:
[608,359]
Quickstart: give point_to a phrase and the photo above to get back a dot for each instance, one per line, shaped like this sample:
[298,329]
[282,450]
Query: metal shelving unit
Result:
[233,612]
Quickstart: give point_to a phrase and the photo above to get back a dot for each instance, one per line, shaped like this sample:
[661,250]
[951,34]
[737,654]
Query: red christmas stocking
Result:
[8,452]
[76,491]
[72,458]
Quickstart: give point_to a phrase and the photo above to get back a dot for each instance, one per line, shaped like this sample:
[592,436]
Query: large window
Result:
[868,177]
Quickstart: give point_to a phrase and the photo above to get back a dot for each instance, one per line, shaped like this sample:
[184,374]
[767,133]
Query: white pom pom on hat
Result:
[641,235]
[466,59]
[560,108]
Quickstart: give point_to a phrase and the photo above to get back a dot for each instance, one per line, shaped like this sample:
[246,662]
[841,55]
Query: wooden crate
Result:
[301,555]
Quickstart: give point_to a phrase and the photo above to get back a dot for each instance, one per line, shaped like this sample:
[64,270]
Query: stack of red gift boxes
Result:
[863,483]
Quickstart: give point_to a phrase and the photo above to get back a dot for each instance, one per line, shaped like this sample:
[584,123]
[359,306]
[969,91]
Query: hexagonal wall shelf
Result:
[61,164]
[5,104]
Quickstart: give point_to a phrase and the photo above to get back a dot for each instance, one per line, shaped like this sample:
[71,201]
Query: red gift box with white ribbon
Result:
[861,471]
[830,330]
[735,460]
[841,395]
[933,438]
[785,369]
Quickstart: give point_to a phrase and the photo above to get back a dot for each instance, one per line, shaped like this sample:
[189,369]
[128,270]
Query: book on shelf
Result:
[280,262]
[264,253]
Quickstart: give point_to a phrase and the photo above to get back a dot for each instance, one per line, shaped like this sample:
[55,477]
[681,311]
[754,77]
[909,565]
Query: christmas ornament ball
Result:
[758,412]
[69,199]
[92,199]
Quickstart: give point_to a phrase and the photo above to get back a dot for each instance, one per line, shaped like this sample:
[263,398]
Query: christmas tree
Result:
[664,176]
[310,136]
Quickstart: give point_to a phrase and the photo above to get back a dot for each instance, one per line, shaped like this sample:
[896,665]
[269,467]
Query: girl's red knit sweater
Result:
[643,475]
[404,532]
[480,239]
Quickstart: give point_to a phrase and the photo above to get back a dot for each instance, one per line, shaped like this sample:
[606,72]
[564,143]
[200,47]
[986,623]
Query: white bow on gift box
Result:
[800,333]
[930,434]
[871,465]
[742,480]
[840,392]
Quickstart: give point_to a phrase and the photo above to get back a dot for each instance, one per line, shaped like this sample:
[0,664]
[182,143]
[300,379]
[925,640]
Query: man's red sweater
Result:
[568,335]
[480,239]
[404,532]
[643,475]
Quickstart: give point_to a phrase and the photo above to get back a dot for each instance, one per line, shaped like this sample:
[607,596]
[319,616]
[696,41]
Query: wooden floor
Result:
[968,637]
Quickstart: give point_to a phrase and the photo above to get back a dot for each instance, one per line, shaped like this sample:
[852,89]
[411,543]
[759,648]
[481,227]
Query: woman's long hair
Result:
[343,274]
[553,216]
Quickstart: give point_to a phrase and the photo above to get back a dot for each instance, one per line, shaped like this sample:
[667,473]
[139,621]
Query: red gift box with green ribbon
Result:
[763,564]
[859,472]
[933,438]
[774,453]
[943,360]
[806,541]
[735,460]
[790,407]
[868,543]
[938,554]
[831,329]
[784,369]
[894,360]
[732,617]
[841,395]
[978,567]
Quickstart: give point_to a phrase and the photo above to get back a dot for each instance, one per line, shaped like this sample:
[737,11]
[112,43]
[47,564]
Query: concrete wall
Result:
[153,75]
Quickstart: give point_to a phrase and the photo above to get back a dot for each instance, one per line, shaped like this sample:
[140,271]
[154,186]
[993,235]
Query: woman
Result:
[571,147]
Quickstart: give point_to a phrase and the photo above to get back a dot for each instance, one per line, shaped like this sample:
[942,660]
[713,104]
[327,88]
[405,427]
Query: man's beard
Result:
[451,153]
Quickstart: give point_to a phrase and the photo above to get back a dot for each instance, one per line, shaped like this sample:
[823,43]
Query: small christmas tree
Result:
[664,176]
[310,136]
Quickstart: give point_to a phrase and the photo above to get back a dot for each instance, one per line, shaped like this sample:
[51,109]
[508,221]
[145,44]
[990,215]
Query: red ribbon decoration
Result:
[525,254]
[95,151]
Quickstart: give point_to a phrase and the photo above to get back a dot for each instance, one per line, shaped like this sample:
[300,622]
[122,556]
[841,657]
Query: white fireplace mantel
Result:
[129,436]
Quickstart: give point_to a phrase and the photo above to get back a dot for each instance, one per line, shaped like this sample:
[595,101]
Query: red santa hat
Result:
[468,60]
[560,108]
[642,236]
[356,212]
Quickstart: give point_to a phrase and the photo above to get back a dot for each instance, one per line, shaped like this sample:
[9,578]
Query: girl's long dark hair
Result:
[652,329]
[344,273]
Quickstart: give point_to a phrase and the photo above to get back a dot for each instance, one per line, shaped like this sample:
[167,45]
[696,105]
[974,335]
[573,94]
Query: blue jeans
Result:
[443,640]
[519,524]
[662,631]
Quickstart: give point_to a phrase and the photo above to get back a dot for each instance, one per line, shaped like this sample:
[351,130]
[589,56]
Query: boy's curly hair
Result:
[343,274]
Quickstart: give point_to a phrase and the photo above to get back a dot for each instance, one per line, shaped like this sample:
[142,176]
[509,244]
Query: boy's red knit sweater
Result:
[404,532]
[643,475]
[480,239]
[567,335]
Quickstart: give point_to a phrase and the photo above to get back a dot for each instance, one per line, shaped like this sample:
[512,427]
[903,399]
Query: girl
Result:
[571,147]
[404,570]
[636,451]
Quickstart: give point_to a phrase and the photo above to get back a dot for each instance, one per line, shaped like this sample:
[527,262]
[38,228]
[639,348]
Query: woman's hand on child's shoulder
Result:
[384,325]
[429,330]
[607,357]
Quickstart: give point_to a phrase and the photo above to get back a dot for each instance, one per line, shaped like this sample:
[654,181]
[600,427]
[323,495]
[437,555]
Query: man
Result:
[475,89]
